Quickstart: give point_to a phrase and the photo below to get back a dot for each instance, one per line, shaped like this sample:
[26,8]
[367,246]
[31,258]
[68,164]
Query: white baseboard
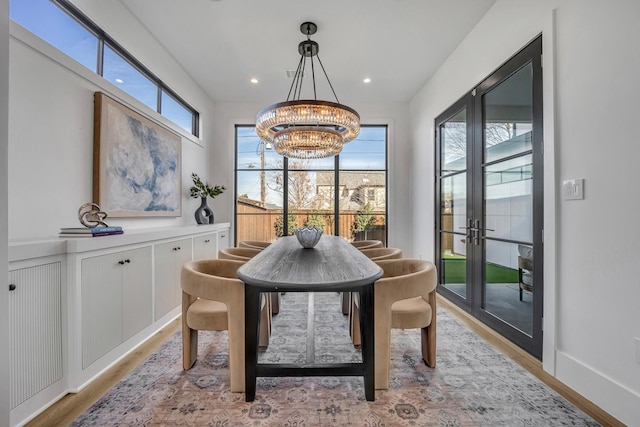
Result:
[612,397]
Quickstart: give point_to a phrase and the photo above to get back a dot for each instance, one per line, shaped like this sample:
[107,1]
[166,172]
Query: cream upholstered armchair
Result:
[213,300]
[255,244]
[375,254]
[378,254]
[404,298]
[367,244]
[525,268]
[239,254]
[245,254]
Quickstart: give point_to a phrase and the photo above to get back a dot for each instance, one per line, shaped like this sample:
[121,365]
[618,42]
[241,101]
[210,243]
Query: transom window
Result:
[62,25]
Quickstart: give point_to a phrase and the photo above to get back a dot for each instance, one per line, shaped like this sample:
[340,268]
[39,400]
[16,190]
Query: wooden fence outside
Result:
[257,223]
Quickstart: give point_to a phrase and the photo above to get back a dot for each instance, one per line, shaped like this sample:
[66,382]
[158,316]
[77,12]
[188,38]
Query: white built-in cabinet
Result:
[206,246]
[117,297]
[223,240]
[168,260]
[77,306]
[37,333]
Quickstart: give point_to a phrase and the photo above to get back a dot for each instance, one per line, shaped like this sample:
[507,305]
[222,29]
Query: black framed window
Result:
[61,24]
[346,194]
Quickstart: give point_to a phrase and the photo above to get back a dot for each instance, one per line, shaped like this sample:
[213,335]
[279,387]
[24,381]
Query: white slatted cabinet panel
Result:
[36,330]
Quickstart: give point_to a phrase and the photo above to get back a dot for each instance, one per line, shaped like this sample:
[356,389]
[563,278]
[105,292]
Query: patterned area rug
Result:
[472,384]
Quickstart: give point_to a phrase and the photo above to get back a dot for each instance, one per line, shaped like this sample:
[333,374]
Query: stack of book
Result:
[90,232]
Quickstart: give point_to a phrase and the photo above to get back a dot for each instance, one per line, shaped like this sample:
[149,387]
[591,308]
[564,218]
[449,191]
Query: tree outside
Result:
[364,221]
[278,225]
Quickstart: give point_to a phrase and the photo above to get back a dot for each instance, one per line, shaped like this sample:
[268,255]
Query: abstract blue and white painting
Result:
[139,164]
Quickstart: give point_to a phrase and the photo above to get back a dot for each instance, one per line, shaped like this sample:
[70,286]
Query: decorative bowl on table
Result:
[308,236]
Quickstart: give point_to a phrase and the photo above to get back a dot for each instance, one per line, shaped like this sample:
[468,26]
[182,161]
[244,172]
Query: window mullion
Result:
[100,57]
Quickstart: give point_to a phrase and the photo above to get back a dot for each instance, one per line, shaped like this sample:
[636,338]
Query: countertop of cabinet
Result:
[27,249]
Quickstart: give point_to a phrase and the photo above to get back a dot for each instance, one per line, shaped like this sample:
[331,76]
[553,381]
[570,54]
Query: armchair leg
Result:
[189,347]
[275,302]
[428,340]
[345,300]
[428,334]
[265,321]
[354,322]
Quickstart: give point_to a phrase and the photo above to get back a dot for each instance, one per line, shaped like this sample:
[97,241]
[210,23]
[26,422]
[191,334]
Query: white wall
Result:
[4,132]
[227,115]
[51,127]
[591,87]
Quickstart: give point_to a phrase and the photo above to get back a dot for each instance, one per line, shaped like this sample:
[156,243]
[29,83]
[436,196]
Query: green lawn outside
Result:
[454,271]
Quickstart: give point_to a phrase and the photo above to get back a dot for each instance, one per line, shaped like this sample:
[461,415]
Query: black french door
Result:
[489,200]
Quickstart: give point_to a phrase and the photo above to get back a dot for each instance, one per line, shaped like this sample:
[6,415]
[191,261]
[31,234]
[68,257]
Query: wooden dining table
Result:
[333,265]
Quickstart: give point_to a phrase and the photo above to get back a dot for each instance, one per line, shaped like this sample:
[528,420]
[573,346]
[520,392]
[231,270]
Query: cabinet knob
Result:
[124,261]
[127,261]
[12,287]
[121,262]
[222,236]
[177,248]
[207,241]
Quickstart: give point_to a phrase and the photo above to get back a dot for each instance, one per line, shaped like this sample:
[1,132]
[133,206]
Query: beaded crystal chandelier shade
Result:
[305,128]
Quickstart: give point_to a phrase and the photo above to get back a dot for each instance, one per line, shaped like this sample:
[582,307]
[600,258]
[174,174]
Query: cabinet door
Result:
[168,261]
[101,290]
[35,323]
[137,296]
[206,246]
[223,239]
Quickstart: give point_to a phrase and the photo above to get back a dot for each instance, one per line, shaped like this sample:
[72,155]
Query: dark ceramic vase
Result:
[204,214]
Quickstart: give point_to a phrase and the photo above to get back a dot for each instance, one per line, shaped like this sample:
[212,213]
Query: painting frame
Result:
[137,163]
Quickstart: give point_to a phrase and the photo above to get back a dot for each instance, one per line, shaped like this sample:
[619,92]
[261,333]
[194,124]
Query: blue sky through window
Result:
[126,77]
[50,23]
[56,26]
[367,152]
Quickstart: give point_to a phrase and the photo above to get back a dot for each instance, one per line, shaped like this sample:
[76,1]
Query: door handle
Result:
[470,229]
[475,230]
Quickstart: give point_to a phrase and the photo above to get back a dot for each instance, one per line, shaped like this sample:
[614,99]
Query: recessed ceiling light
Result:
[119,81]
[367,80]
[254,80]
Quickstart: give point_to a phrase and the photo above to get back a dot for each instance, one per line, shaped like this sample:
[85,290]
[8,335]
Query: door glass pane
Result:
[453,134]
[453,209]
[453,234]
[508,200]
[509,283]
[508,203]
[508,116]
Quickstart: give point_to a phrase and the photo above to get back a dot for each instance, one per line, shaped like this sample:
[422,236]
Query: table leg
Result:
[251,334]
[367,340]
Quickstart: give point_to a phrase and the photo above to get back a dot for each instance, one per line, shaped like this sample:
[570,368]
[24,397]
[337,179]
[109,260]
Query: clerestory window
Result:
[62,25]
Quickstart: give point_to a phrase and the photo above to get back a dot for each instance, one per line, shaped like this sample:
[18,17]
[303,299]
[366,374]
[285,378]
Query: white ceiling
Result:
[222,44]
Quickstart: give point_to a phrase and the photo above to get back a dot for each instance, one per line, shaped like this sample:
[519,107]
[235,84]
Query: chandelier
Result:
[305,128]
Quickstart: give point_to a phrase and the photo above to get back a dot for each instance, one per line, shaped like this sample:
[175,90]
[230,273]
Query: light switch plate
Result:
[573,189]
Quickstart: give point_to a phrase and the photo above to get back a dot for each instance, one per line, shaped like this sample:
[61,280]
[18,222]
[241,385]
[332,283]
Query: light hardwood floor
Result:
[71,406]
